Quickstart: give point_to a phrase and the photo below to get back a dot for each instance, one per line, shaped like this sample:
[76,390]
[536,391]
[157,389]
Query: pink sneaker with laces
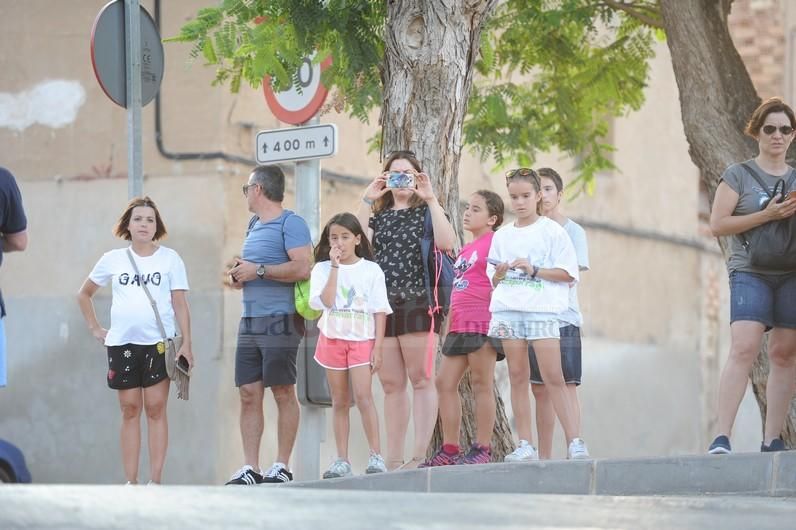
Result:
[478,454]
[443,457]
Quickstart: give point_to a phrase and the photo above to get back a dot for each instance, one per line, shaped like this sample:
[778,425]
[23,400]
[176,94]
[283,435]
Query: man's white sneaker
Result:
[577,450]
[524,452]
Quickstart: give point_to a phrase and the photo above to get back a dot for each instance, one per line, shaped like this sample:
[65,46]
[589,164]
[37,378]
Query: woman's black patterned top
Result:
[396,243]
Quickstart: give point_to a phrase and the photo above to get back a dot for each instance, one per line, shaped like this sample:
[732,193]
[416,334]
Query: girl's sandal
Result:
[410,464]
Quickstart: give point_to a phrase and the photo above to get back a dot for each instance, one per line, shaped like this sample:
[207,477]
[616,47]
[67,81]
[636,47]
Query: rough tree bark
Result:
[716,99]
[431,47]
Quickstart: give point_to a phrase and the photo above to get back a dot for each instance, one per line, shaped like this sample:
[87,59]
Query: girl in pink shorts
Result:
[349,287]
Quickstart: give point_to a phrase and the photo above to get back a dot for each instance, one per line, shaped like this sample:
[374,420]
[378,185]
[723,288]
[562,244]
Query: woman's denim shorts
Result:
[768,299]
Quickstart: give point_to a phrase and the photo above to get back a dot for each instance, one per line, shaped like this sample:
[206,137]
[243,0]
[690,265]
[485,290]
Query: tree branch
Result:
[633,11]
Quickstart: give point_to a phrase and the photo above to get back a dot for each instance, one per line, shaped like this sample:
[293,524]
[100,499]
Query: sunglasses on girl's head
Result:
[522,172]
[771,129]
[401,152]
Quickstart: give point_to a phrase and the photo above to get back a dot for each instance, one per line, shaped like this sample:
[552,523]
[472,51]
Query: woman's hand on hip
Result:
[100,334]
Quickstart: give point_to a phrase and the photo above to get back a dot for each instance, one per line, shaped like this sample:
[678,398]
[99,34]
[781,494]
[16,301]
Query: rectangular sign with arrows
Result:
[296,143]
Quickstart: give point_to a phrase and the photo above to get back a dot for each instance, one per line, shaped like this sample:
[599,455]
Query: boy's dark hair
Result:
[553,175]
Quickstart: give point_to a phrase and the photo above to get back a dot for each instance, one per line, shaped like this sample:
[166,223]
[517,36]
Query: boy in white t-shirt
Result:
[571,320]
[531,264]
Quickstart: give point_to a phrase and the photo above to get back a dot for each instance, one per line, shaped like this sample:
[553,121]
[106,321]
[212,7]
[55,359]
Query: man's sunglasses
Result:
[521,172]
[771,129]
[246,188]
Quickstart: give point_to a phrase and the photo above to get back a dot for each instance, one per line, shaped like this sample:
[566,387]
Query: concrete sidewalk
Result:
[181,507]
[769,474]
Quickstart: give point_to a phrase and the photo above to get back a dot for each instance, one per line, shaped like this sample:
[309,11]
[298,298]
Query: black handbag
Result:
[772,245]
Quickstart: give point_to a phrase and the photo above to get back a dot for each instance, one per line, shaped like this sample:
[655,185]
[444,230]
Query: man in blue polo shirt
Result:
[13,237]
[276,253]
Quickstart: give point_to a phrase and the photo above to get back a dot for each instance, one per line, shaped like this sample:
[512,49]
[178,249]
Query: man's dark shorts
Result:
[267,348]
[570,357]
[136,365]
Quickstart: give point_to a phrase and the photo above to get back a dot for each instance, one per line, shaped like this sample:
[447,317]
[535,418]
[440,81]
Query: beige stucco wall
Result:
[651,354]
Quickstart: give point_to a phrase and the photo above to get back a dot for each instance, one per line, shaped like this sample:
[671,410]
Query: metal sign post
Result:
[312,425]
[304,145]
[132,25]
[127,57]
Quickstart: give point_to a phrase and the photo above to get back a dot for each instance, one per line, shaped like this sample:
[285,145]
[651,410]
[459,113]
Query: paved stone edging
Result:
[740,474]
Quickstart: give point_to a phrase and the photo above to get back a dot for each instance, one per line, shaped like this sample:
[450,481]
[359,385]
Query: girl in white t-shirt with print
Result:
[350,289]
[136,351]
[531,265]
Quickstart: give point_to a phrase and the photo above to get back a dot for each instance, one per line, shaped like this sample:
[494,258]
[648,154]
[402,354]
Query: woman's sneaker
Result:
[524,452]
[277,474]
[375,464]
[442,458]
[777,444]
[339,468]
[577,450]
[245,476]
[478,454]
[720,446]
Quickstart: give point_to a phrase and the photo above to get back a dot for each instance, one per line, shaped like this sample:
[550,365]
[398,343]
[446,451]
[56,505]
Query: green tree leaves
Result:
[552,74]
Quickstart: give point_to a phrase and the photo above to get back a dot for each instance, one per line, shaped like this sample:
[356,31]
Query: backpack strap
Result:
[780,187]
[255,218]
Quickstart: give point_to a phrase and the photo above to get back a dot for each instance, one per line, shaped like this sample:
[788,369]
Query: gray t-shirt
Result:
[750,200]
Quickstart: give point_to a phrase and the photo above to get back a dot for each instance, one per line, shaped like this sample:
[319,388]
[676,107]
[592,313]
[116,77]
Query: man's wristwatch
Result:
[261,271]
[535,272]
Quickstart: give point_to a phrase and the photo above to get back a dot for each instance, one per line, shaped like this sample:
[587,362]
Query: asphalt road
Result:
[181,507]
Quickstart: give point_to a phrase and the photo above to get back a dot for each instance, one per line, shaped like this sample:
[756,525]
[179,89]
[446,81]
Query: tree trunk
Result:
[431,47]
[716,99]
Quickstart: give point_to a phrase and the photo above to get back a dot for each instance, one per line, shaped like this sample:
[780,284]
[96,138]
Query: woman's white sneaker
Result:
[578,450]
[524,452]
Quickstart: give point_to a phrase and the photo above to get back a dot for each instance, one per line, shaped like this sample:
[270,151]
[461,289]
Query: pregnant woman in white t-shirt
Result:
[136,351]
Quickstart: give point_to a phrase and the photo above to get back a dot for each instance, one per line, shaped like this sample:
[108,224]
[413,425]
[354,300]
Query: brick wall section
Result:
[758,30]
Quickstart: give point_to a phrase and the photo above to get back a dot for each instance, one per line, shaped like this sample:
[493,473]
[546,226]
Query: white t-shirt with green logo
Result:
[544,244]
[361,292]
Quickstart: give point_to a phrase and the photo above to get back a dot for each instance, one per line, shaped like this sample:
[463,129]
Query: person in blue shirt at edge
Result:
[13,237]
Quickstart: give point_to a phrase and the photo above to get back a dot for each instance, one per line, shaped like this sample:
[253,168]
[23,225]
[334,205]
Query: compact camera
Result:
[400,179]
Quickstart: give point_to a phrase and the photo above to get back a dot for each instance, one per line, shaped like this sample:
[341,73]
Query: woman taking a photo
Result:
[136,351]
[761,299]
[394,207]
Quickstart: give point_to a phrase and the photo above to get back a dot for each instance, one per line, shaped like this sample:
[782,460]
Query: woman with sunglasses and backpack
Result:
[136,350]
[394,207]
[761,298]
